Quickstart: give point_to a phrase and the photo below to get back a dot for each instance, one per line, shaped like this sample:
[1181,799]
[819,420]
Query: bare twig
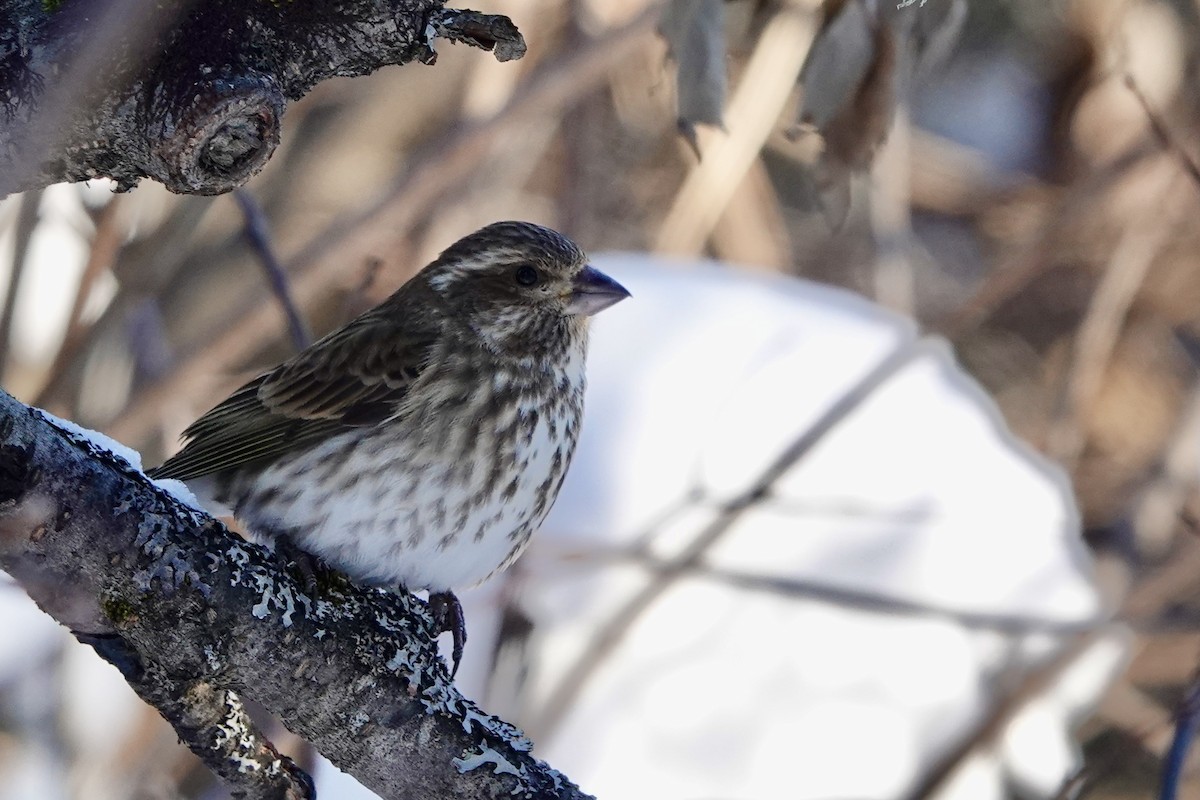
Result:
[827,592]
[259,236]
[891,217]
[1101,327]
[1156,515]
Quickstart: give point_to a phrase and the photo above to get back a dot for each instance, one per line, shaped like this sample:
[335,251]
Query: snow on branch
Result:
[197,619]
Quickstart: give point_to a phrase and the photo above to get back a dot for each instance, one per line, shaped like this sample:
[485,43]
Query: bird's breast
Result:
[442,495]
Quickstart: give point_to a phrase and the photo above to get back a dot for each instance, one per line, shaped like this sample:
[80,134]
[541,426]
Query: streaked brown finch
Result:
[421,444]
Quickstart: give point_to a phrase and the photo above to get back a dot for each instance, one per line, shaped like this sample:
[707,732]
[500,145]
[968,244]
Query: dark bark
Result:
[191,93]
[196,618]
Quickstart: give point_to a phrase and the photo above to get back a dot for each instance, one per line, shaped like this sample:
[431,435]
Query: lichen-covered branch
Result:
[191,94]
[196,619]
[212,722]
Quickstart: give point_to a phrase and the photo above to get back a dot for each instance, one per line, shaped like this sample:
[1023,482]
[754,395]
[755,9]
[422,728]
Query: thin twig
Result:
[27,220]
[1100,329]
[259,236]
[609,636]
[891,217]
[1159,128]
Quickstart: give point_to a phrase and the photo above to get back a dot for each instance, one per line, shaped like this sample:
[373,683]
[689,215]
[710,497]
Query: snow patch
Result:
[179,490]
[95,440]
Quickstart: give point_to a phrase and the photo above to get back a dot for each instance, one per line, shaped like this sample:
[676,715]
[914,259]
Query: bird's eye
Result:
[527,276]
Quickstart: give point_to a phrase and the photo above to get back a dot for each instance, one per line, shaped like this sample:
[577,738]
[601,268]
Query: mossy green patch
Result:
[119,610]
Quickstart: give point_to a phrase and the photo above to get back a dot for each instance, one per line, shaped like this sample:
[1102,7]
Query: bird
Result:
[420,445]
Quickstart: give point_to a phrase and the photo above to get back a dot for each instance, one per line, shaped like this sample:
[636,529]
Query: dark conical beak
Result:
[594,291]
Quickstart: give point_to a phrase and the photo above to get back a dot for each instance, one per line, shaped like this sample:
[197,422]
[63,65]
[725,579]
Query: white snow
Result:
[175,488]
[132,457]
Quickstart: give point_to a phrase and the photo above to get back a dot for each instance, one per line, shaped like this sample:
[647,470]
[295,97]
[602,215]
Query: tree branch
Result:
[195,617]
[192,94]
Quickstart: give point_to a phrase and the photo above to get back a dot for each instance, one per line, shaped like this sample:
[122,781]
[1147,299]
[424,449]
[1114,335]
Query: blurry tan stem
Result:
[609,636]
[766,84]
[1161,132]
[891,218]
[1156,516]
[258,234]
[27,219]
[1101,328]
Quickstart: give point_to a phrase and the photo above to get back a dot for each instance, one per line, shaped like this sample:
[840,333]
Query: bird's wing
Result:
[354,377]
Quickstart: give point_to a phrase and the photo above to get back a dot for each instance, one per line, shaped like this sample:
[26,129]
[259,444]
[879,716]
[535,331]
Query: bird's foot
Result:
[312,570]
[448,618]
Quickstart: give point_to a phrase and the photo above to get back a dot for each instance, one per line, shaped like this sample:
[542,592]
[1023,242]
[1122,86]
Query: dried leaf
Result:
[840,56]
[861,63]
[695,32]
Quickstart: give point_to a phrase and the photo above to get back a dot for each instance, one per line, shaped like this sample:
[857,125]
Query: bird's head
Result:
[520,286]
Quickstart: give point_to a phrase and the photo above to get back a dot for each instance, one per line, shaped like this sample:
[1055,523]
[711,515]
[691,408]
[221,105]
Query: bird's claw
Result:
[312,569]
[448,618]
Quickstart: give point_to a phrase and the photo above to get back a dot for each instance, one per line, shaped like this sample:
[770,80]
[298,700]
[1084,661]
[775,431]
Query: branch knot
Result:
[221,138]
